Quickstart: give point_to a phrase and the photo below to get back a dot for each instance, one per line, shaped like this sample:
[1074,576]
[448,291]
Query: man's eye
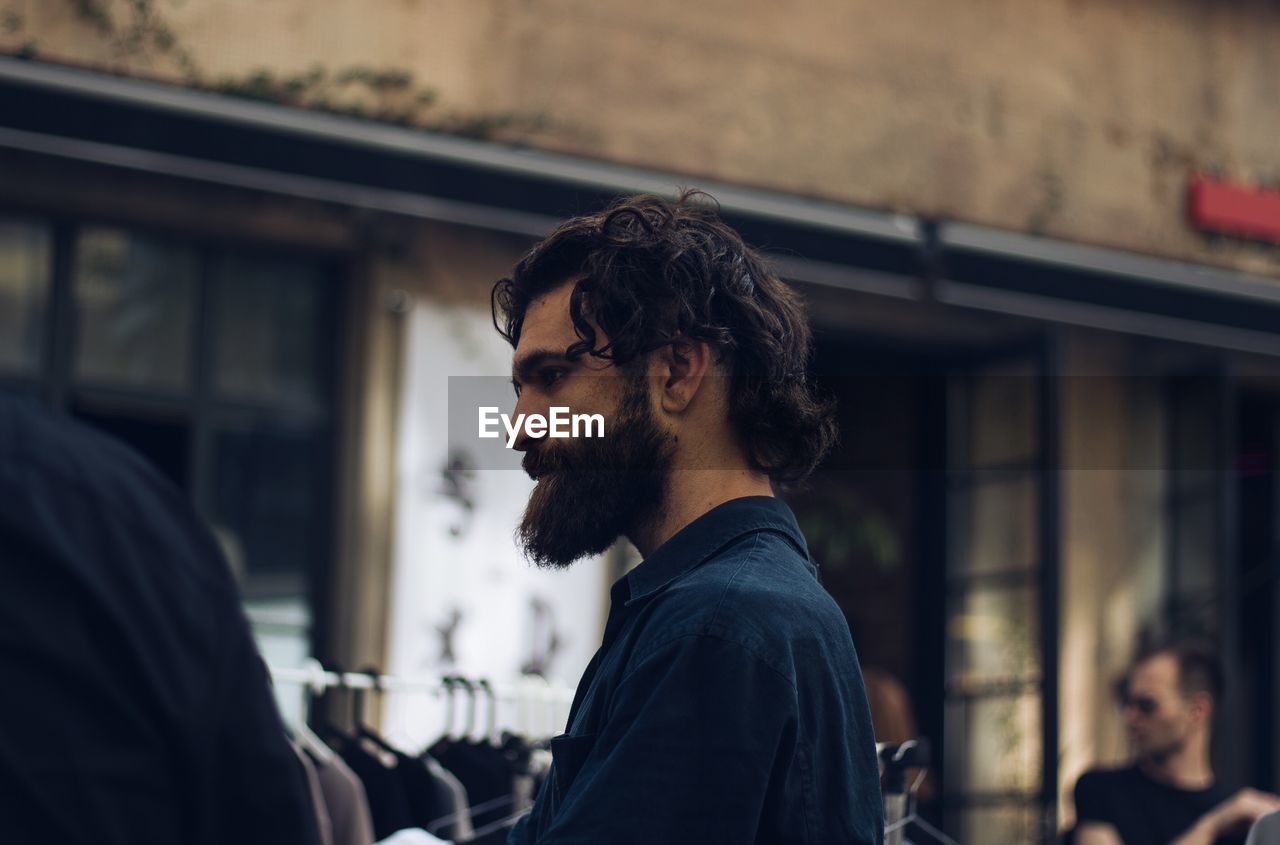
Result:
[551,375]
[515,385]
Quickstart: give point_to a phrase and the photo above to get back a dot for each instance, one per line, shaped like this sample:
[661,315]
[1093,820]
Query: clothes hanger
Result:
[362,729]
[306,738]
[452,683]
[500,824]
[469,731]
[446,737]
[328,730]
[484,806]
[492,735]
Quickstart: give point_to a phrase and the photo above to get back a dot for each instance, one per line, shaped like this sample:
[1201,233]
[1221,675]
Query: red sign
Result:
[1216,206]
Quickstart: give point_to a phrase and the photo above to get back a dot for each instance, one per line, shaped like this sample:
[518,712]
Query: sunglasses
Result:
[1143,704]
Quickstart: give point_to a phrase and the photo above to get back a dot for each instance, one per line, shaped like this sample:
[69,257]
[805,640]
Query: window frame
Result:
[54,382]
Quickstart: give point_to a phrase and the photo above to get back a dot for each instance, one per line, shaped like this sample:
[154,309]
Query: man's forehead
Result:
[547,323]
[1157,672]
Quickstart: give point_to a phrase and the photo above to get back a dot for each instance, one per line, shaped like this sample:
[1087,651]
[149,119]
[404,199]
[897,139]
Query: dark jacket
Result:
[135,708]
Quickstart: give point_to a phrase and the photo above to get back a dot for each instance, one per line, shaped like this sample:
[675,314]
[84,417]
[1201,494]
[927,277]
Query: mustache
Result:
[542,460]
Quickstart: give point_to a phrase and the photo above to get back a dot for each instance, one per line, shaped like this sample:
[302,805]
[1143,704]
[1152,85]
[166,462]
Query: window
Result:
[216,364]
[135,302]
[26,262]
[996,706]
[1198,471]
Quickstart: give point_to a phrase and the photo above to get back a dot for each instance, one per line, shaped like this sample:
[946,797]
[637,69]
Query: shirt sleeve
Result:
[694,733]
[1090,800]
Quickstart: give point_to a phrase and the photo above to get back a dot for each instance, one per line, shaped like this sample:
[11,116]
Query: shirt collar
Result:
[706,535]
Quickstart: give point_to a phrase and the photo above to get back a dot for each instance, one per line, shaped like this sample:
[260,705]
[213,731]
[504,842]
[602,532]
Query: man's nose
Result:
[527,405]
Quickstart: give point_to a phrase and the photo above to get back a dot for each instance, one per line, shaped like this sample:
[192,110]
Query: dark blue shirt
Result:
[725,704]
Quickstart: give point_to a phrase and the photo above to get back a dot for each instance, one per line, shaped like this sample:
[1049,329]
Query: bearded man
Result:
[725,704]
[1169,795]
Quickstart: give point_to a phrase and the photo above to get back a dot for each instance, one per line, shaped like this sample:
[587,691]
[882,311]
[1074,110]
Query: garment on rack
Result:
[460,827]
[346,802]
[428,798]
[530,764]
[725,705]
[323,826]
[428,787]
[388,804]
[136,708]
[485,772]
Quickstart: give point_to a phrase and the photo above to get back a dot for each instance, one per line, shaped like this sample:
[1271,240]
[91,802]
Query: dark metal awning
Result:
[144,126]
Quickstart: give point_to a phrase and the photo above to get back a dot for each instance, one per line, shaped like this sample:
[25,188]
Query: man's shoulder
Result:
[761,572]
[758,592]
[1103,777]
[1097,790]
[1101,793]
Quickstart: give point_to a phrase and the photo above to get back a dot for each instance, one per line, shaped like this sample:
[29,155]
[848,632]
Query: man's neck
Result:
[692,493]
[1186,768]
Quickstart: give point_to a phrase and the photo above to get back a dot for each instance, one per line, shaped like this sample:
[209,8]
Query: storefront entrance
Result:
[935,525]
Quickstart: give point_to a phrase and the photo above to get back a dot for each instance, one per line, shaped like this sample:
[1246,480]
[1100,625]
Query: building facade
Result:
[241,236]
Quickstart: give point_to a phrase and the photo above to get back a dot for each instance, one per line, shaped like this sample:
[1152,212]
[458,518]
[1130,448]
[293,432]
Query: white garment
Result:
[1266,830]
[412,836]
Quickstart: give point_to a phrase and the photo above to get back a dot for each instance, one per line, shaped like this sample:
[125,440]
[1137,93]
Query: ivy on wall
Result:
[137,32]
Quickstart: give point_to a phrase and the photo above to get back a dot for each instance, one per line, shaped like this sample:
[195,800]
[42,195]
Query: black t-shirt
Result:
[134,707]
[1142,810]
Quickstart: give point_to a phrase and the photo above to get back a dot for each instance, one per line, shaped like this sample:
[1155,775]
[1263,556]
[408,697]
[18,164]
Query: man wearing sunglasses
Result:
[1169,793]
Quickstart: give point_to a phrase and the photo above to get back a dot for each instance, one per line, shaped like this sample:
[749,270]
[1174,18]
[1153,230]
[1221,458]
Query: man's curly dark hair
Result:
[652,272]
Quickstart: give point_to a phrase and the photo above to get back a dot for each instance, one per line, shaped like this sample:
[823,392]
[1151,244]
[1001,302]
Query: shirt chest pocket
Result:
[568,753]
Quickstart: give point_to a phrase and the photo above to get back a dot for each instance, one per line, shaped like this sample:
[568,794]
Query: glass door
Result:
[1000,688]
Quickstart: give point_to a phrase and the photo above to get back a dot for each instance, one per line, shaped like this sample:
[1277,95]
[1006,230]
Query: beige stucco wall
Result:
[1076,118]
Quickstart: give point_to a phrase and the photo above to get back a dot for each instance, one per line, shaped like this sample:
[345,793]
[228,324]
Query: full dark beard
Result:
[593,490]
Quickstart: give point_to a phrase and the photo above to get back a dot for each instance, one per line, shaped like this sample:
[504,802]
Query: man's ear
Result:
[683,364]
[1202,707]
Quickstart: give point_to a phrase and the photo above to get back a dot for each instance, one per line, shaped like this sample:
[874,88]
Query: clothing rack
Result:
[317,679]
[899,798]
[387,775]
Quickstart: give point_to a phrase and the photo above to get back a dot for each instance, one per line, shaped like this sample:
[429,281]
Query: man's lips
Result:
[538,473]
[539,467]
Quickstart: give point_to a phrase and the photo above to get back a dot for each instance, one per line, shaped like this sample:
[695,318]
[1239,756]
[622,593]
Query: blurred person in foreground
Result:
[725,704]
[136,710]
[1169,793]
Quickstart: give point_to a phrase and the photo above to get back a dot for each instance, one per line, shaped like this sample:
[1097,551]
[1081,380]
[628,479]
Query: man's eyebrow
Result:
[526,364]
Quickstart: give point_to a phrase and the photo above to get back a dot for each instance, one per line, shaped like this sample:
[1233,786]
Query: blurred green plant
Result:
[842,528]
[11,22]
